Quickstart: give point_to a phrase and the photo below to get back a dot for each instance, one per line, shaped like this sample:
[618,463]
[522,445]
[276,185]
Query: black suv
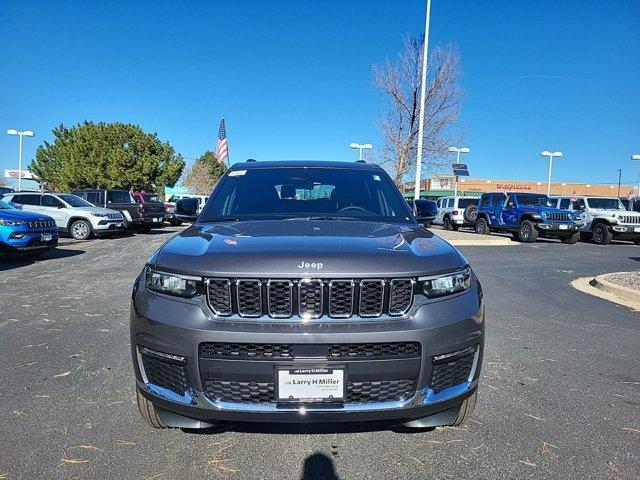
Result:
[306,291]
[141,217]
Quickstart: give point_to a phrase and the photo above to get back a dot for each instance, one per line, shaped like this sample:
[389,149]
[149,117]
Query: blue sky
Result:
[293,79]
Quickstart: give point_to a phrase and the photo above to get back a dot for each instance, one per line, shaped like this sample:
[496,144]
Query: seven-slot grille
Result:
[41,223]
[634,219]
[558,217]
[114,216]
[309,298]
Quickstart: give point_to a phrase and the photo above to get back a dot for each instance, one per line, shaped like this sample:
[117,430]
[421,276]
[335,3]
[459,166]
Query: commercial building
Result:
[444,185]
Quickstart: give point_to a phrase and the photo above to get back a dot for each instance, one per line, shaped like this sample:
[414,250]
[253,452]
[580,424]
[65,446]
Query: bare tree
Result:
[203,174]
[398,83]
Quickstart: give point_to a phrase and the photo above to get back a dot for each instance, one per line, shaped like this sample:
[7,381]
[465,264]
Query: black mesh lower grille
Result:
[165,374]
[446,375]
[240,392]
[373,350]
[381,391]
[246,350]
[357,392]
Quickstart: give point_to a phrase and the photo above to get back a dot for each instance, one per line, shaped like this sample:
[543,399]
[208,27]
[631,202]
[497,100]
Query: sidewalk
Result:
[622,288]
[466,237]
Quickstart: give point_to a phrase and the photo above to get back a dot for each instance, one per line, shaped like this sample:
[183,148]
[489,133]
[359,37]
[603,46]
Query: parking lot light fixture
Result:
[636,156]
[547,153]
[20,134]
[360,147]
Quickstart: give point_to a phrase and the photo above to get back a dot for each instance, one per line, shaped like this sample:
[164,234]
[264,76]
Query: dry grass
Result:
[67,460]
[217,465]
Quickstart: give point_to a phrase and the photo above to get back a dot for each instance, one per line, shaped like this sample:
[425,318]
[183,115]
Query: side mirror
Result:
[187,209]
[425,210]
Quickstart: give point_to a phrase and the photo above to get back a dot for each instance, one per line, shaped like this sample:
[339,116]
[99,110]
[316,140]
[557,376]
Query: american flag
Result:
[222,149]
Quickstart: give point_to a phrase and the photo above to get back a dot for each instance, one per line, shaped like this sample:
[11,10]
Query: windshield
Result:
[150,198]
[290,192]
[605,203]
[465,202]
[6,206]
[535,200]
[74,201]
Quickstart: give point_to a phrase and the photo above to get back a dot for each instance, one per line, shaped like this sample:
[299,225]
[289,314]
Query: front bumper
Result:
[626,232]
[557,228]
[108,226]
[29,240]
[179,328]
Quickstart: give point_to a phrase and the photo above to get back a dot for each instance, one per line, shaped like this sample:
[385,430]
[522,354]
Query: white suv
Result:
[455,212]
[72,214]
[603,219]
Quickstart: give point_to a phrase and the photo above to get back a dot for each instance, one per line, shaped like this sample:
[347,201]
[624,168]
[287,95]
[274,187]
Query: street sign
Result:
[26,174]
[460,169]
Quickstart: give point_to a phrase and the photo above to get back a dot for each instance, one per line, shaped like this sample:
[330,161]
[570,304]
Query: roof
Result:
[304,163]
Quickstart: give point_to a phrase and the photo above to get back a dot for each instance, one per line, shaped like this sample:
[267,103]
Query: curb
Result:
[625,293]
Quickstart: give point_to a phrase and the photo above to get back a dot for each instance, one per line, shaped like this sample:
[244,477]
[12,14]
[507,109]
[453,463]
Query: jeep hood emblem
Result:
[313,265]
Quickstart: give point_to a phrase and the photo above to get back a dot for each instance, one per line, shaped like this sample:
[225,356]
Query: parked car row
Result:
[529,216]
[30,221]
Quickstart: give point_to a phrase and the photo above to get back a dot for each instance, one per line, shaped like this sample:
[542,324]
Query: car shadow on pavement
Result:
[318,467]
[56,253]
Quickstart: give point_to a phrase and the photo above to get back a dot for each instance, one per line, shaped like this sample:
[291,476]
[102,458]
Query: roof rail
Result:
[250,160]
[360,161]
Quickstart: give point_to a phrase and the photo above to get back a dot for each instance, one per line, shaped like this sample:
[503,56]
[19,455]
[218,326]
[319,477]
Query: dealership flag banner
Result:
[222,148]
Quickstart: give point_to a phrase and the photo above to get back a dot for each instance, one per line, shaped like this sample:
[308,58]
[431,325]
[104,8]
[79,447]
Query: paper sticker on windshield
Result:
[376,178]
[237,173]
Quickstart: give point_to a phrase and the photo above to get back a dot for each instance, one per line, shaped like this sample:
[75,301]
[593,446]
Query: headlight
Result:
[171,284]
[449,284]
[12,223]
[544,215]
[95,214]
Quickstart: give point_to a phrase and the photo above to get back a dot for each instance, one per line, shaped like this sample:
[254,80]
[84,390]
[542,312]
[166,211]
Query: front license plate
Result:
[311,384]
[564,227]
[636,229]
[46,237]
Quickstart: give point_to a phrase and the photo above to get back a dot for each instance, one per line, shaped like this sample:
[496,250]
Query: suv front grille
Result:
[267,351]
[334,351]
[632,219]
[264,392]
[41,223]
[309,298]
[558,217]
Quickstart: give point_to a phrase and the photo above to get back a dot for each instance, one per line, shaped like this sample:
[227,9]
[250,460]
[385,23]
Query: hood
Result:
[98,210]
[304,248]
[540,209]
[600,212]
[23,215]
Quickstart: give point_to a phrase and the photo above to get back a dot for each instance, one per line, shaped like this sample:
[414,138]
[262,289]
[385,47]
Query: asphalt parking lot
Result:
[559,393]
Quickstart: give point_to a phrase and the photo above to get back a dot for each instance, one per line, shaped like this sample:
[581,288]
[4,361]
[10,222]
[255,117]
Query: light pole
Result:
[25,133]
[619,180]
[458,151]
[547,153]
[423,92]
[360,147]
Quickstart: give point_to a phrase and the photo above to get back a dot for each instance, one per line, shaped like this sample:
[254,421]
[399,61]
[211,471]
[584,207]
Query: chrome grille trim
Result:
[303,311]
[289,285]
[227,283]
[351,283]
[392,283]
[239,300]
[363,284]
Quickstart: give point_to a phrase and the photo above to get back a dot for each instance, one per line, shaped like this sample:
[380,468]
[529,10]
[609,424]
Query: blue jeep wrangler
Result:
[526,216]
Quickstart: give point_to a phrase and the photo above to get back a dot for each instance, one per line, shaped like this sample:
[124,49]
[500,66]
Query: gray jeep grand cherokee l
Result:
[306,291]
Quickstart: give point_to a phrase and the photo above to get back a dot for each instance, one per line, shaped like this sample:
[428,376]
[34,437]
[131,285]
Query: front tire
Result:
[80,230]
[571,239]
[482,227]
[527,231]
[466,410]
[148,411]
[601,234]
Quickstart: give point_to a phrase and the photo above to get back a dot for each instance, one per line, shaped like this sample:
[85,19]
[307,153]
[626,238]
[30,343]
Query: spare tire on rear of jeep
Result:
[470,213]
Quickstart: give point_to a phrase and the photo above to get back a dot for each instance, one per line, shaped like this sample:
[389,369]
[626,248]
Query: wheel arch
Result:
[75,219]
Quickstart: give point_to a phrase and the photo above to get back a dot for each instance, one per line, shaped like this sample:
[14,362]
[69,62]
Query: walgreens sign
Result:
[513,187]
